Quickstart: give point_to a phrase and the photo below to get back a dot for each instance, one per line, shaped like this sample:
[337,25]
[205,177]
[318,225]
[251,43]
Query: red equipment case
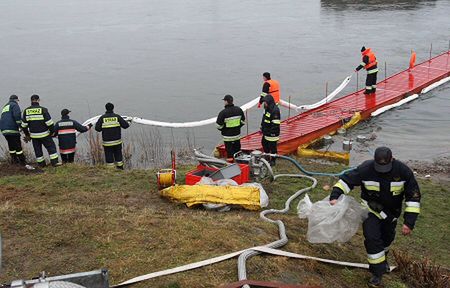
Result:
[193,176]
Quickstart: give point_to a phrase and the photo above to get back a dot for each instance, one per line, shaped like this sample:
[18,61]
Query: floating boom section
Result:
[313,124]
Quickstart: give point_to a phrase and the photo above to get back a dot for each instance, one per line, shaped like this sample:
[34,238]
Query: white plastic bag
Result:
[328,223]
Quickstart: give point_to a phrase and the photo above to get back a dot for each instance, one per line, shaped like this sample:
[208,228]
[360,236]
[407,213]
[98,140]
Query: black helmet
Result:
[13,97]
[363,49]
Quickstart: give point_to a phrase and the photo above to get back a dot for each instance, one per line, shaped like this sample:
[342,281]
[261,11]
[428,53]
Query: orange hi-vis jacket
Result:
[274,89]
[372,59]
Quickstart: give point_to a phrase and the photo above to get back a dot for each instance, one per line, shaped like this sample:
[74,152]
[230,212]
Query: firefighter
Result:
[37,124]
[229,122]
[65,130]
[271,87]
[384,182]
[270,127]
[369,62]
[10,122]
[110,124]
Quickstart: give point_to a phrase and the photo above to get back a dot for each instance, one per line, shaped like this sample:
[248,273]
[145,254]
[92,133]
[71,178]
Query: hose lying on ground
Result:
[242,272]
[268,249]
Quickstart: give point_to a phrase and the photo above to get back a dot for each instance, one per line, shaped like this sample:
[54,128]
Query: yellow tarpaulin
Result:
[247,197]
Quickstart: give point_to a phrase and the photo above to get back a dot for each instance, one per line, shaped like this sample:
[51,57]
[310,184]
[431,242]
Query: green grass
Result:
[78,218]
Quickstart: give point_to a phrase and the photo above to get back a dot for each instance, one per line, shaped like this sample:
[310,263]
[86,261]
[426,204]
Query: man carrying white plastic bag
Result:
[385,184]
[328,223]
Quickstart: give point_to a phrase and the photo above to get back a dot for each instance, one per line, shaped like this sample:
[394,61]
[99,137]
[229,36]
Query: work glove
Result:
[26,138]
[90,125]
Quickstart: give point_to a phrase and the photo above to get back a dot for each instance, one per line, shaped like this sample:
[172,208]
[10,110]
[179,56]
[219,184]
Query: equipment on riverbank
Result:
[92,279]
[167,177]
[249,196]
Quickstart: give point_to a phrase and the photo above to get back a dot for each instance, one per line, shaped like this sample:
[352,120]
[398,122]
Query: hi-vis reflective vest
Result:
[229,122]
[38,121]
[111,124]
[384,193]
[372,60]
[274,90]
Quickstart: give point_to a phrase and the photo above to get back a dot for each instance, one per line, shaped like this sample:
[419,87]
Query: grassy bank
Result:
[79,218]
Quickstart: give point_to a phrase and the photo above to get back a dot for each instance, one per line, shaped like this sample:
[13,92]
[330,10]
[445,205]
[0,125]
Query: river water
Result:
[174,60]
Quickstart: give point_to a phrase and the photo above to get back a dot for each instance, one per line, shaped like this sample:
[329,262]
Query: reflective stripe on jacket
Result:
[270,123]
[10,119]
[111,125]
[384,193]
[37,121]
[229,122]
[65,130]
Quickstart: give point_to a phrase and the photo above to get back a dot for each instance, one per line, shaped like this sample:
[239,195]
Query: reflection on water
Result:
[375,5]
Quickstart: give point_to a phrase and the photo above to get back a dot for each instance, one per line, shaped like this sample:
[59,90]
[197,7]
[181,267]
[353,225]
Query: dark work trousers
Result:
[232,147]
[15,148]
[269,147]
[114,154]
[371,82]
[68,158]
[378,235]
[51,149]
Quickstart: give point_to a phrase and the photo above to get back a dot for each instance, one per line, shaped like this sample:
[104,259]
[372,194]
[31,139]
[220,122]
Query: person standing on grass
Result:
[111,125]
[66,131]
[38,125]
[385,182]
[229,122]
[10,122]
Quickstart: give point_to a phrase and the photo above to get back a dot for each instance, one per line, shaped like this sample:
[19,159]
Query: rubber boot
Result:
[120,167]
[14,159]
[22,159]
[375,282]
[55,162]
[42,164]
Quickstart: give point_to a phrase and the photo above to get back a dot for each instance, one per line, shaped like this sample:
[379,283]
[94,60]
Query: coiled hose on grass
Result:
[242,271]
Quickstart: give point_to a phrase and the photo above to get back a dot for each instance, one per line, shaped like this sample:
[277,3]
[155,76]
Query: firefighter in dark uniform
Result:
[369,62]
[37,124]
[66,131]
[270,127]
[385,182]
[229,122]
[10,122]
[111,124]
[270,86]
